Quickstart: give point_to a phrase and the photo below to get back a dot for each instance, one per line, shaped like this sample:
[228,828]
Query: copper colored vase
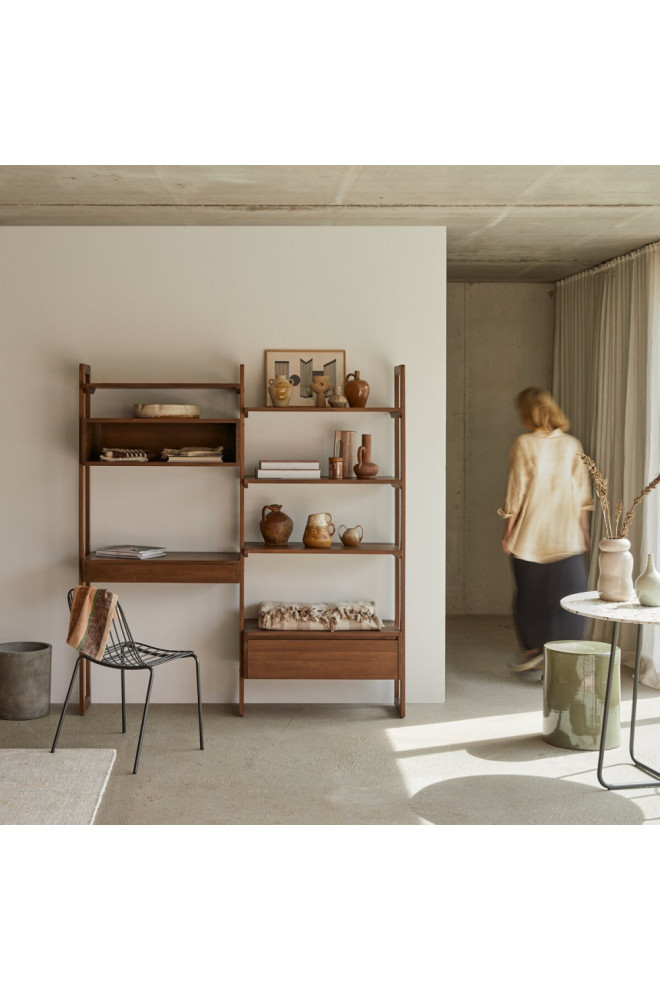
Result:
[365,467]
[275,526]
[356,391]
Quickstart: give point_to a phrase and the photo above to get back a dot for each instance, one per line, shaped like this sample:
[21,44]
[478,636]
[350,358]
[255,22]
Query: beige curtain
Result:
[603,347]
[651,526]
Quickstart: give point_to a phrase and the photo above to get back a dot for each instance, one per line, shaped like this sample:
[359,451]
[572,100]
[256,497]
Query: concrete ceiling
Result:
[505,223]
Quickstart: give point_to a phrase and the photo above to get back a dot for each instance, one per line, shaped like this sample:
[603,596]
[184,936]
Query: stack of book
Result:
[130,550]
[289,469]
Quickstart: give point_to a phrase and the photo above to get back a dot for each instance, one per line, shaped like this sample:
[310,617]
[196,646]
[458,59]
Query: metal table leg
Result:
[608,691]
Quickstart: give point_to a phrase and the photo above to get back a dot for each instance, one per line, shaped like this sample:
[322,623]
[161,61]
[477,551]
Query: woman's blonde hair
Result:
[539,411]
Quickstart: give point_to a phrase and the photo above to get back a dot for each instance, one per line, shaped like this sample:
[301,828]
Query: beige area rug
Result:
[38,787]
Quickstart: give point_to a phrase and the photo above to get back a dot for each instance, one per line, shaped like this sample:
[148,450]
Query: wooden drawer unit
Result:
[324,656]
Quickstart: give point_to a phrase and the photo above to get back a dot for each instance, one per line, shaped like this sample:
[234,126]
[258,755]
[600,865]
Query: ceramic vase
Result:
[647,585]
[350,537]
[318,531]
[365,467]
[615,564]
[280,389]
[320,387]
[357,390]
[337,400]
[275,526]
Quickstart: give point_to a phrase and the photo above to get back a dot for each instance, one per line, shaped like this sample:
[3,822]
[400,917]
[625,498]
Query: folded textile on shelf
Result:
[123,454]
[311,616]
[194,453]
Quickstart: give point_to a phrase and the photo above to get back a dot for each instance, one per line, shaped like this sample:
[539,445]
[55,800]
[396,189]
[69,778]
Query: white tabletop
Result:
[592,605]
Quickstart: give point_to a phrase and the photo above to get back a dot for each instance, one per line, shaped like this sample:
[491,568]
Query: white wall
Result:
[499,341]
[176,303]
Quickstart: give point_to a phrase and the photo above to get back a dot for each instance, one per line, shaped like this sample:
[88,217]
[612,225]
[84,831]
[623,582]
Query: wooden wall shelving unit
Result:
[152,435]
[264,654]
[373,655]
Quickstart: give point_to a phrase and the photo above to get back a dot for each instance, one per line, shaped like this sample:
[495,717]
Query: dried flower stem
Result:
[600,486]
[631,511]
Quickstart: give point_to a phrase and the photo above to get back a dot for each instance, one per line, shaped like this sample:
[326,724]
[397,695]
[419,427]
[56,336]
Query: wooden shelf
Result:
[335,549]
[324,410]
[176,567]
[91,387]
[249,480]
[194,463]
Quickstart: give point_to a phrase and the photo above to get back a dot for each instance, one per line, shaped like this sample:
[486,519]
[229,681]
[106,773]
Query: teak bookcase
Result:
[152,435]
[373,655]
[264,654]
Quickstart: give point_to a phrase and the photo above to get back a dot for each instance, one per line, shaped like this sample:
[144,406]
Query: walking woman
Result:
[547,506]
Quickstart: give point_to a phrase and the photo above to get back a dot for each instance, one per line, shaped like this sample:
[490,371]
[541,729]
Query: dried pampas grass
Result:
[600,486]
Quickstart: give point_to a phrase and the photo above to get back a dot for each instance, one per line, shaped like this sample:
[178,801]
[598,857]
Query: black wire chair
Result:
[123,653]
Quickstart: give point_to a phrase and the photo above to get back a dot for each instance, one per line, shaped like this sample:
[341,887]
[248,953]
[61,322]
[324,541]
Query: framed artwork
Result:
[300,365]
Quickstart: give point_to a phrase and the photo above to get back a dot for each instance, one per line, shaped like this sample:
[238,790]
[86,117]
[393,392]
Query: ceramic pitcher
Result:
[319,530]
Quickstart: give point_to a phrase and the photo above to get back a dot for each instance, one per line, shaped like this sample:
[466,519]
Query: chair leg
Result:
[66,702]
[123,701]
[199,703]
[144,719]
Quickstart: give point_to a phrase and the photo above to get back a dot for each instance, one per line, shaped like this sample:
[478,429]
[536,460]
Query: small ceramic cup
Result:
[336,467]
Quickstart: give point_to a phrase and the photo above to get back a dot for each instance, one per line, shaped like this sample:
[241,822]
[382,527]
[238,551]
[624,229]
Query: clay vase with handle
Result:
[319,531]
[280,389]
[356,391]
[365,467]
[275,526]
[351,537]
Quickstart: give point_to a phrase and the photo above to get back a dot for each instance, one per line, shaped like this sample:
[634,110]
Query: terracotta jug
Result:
[365,467]
[350,537]
[275,526]
[356,391]
[280,388]
[319,531]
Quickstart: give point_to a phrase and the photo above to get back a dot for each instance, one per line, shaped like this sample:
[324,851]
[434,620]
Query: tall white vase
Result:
[615,564]
[647,585]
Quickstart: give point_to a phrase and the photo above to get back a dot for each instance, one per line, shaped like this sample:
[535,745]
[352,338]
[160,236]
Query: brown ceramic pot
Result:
[275,526]
[356,391]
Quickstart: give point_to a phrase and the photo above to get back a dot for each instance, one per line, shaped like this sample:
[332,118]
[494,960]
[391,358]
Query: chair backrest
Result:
[120,648]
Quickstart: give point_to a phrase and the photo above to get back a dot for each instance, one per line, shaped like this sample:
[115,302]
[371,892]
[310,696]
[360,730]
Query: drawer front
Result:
[350,659]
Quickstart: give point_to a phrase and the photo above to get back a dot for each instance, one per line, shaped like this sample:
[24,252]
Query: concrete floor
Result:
[477,759]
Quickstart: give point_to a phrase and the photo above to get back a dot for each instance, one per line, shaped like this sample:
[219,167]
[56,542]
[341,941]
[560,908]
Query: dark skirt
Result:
[538,616]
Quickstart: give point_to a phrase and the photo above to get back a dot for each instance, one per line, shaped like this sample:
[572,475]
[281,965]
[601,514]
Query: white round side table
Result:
[591,605]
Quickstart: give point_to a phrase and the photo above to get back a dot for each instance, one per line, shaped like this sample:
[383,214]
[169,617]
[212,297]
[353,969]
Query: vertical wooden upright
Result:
[84,377]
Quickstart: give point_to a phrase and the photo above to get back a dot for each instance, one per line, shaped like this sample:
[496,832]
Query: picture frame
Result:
[300,365]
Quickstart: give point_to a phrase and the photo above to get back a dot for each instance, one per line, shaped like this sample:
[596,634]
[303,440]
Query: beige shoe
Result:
[528,663]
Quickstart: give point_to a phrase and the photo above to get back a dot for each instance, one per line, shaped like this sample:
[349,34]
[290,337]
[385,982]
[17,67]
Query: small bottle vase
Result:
[365,467]
[615,564]
[647,585]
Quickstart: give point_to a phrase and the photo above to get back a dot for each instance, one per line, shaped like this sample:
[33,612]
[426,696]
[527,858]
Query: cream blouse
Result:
[548,489]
